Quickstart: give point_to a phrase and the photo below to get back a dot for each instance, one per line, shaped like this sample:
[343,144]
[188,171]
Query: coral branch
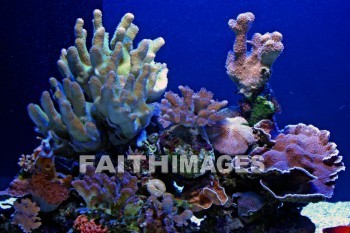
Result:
[250,71]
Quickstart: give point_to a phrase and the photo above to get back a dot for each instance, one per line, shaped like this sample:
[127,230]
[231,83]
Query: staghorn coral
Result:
[26,215]
[83,225]
[251,71]
[190,110]
[308,150]
[107,193]
[231,136]
[105,92]
[204,194]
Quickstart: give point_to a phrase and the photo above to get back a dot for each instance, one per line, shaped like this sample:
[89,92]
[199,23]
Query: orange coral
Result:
[205,194]
[83,224]
[25,215]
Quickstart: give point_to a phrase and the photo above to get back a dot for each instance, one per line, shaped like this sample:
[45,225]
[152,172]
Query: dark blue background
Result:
[311,79]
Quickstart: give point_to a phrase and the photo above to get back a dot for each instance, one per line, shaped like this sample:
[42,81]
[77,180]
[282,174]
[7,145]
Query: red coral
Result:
[48,194]
[83,224]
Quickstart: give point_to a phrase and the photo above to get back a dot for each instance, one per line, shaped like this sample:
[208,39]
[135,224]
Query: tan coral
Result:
[251,71]
[26,215]
[232,136]
[204,194]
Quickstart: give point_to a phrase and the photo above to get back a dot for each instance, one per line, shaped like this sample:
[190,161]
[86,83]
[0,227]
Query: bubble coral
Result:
[251,71]
[190,110]
[231,136]
[26,215]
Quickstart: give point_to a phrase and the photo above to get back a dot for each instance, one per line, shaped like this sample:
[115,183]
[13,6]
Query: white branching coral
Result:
[26,215]
[106,90]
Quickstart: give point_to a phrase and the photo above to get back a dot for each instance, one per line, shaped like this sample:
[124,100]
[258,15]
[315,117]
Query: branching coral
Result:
[26,215]
[308,150]
[110,86]
[107,193]
[193,109]
[251,71]
[231,136]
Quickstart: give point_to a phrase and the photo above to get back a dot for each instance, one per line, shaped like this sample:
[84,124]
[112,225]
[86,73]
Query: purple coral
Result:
[251,71]
[192,109]
[102,192]
[307,149]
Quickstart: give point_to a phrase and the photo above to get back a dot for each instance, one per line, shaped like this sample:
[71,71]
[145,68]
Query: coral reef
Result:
[25,215]
[106,107]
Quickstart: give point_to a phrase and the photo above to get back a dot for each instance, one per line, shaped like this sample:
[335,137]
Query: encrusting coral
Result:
[308,149]
[251,71]
[106,105]
[106,90]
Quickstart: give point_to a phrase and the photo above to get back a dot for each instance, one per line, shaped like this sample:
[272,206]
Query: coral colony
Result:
[114,159]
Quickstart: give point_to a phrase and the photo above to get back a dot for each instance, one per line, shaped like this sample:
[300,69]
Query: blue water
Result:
[311,79]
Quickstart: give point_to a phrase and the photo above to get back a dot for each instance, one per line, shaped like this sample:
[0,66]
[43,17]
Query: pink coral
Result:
[251,71]
[307,149]
[231,136]
[26,215]
[83,225]
[193,109]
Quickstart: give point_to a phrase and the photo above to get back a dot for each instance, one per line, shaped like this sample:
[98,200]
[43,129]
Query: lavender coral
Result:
[307,149]
[26,215]
[251,71]
[107,193]
[107,90]
[192,109]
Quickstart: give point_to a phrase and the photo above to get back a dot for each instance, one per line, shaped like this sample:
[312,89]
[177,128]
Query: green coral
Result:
[262,108]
